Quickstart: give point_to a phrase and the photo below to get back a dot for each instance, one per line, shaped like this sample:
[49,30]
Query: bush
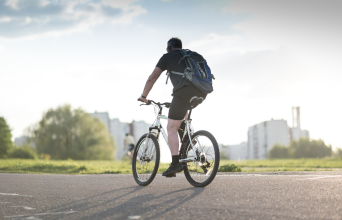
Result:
[305,148]
[24,152]
[229,168]
[45,156]
[279,151]
[5,138]
[338,153]
[223,155]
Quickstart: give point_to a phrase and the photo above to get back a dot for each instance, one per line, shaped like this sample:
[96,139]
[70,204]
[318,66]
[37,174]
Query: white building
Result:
[104,117]
[20,141]
[139,128]
[235,152]
[118,130]
[263,136]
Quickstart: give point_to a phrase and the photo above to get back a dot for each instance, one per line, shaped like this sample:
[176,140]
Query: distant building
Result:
[235,152]
[263,136]
[104,117]
[118,130]
[296,132]
[138,128]
[20,141]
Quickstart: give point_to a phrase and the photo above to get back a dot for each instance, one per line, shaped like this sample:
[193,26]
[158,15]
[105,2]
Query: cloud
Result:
[26,19]
[291,23]
[267,73]
[214,44]
[215,38]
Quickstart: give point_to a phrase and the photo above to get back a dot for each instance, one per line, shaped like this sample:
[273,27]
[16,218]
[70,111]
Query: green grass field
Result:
[116,167]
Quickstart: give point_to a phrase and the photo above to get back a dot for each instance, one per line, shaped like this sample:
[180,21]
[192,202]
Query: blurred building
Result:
[20,141]
[138,128]
[23,140]
[104,117]
[119,129]
[263,136]
[235,152]
[296,132]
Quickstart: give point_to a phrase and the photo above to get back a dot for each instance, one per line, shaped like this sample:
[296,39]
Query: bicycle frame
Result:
[159,127]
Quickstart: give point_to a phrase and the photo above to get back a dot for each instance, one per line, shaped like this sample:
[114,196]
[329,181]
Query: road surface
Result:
[278,195]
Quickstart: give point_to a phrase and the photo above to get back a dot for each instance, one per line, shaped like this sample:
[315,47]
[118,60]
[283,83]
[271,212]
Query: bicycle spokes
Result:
[201,168]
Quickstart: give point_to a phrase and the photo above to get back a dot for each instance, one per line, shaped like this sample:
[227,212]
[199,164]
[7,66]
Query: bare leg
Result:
[172,130]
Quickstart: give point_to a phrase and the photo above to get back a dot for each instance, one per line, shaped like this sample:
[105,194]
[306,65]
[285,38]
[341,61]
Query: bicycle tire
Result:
[134,160]
[214,170]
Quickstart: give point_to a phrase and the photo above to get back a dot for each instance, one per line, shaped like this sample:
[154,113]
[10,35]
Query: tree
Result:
[338,152]
[23,152]
[66,133]
[301,149]
[5,138]
[310,149]
[279,151]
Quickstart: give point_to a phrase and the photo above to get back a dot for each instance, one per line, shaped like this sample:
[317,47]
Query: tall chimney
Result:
[298,117]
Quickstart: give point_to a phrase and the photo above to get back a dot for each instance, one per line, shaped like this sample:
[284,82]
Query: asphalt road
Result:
[283,195]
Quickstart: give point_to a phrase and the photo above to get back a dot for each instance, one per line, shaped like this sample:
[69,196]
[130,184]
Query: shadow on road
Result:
[86,204]
[148,205]
[124,202]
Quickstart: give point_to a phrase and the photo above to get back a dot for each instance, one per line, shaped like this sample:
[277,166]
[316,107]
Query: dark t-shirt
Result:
[169,62]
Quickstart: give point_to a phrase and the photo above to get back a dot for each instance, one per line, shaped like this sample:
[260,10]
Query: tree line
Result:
[62,133]
[304,148]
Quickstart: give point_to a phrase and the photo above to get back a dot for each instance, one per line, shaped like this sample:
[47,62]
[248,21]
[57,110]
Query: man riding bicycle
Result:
[183,91]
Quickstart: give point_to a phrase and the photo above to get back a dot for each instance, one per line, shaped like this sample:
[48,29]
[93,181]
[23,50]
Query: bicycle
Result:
[199,157]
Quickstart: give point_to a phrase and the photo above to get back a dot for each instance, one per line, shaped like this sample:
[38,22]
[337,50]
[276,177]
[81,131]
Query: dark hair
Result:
[127,134]
[175,42]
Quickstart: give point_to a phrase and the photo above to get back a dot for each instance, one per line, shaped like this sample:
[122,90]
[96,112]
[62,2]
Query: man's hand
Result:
[143,99]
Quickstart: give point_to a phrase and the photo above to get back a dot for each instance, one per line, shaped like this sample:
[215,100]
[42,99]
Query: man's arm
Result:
[150,82]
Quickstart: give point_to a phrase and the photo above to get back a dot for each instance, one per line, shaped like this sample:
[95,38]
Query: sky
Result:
[267,56]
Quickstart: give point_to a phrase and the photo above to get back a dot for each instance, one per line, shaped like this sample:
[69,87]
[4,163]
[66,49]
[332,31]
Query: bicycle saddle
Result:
[195,101]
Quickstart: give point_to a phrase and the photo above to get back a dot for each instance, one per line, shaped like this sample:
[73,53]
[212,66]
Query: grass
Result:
[116,167]
[319,164]
[67,166]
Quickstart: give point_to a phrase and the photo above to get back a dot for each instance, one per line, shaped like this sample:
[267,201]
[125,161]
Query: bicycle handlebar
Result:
[166,104]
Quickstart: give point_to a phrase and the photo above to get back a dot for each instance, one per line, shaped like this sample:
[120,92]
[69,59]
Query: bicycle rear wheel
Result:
[202,172]
[145,162]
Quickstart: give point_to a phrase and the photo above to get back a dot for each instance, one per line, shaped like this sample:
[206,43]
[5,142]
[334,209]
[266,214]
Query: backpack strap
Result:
[177,73]
[173,72]
[188,66]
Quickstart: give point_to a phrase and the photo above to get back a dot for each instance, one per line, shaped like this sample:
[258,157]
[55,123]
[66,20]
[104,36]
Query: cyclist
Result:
[129,142]
[183,91]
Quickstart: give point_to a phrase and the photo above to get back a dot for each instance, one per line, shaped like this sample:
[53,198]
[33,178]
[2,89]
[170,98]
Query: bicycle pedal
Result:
[171,175]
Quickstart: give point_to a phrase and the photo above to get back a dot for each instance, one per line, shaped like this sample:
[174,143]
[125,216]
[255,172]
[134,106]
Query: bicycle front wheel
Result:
[202,171]
[145,161]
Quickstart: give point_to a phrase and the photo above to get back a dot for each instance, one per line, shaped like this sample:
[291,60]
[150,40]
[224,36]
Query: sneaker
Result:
[173,169]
